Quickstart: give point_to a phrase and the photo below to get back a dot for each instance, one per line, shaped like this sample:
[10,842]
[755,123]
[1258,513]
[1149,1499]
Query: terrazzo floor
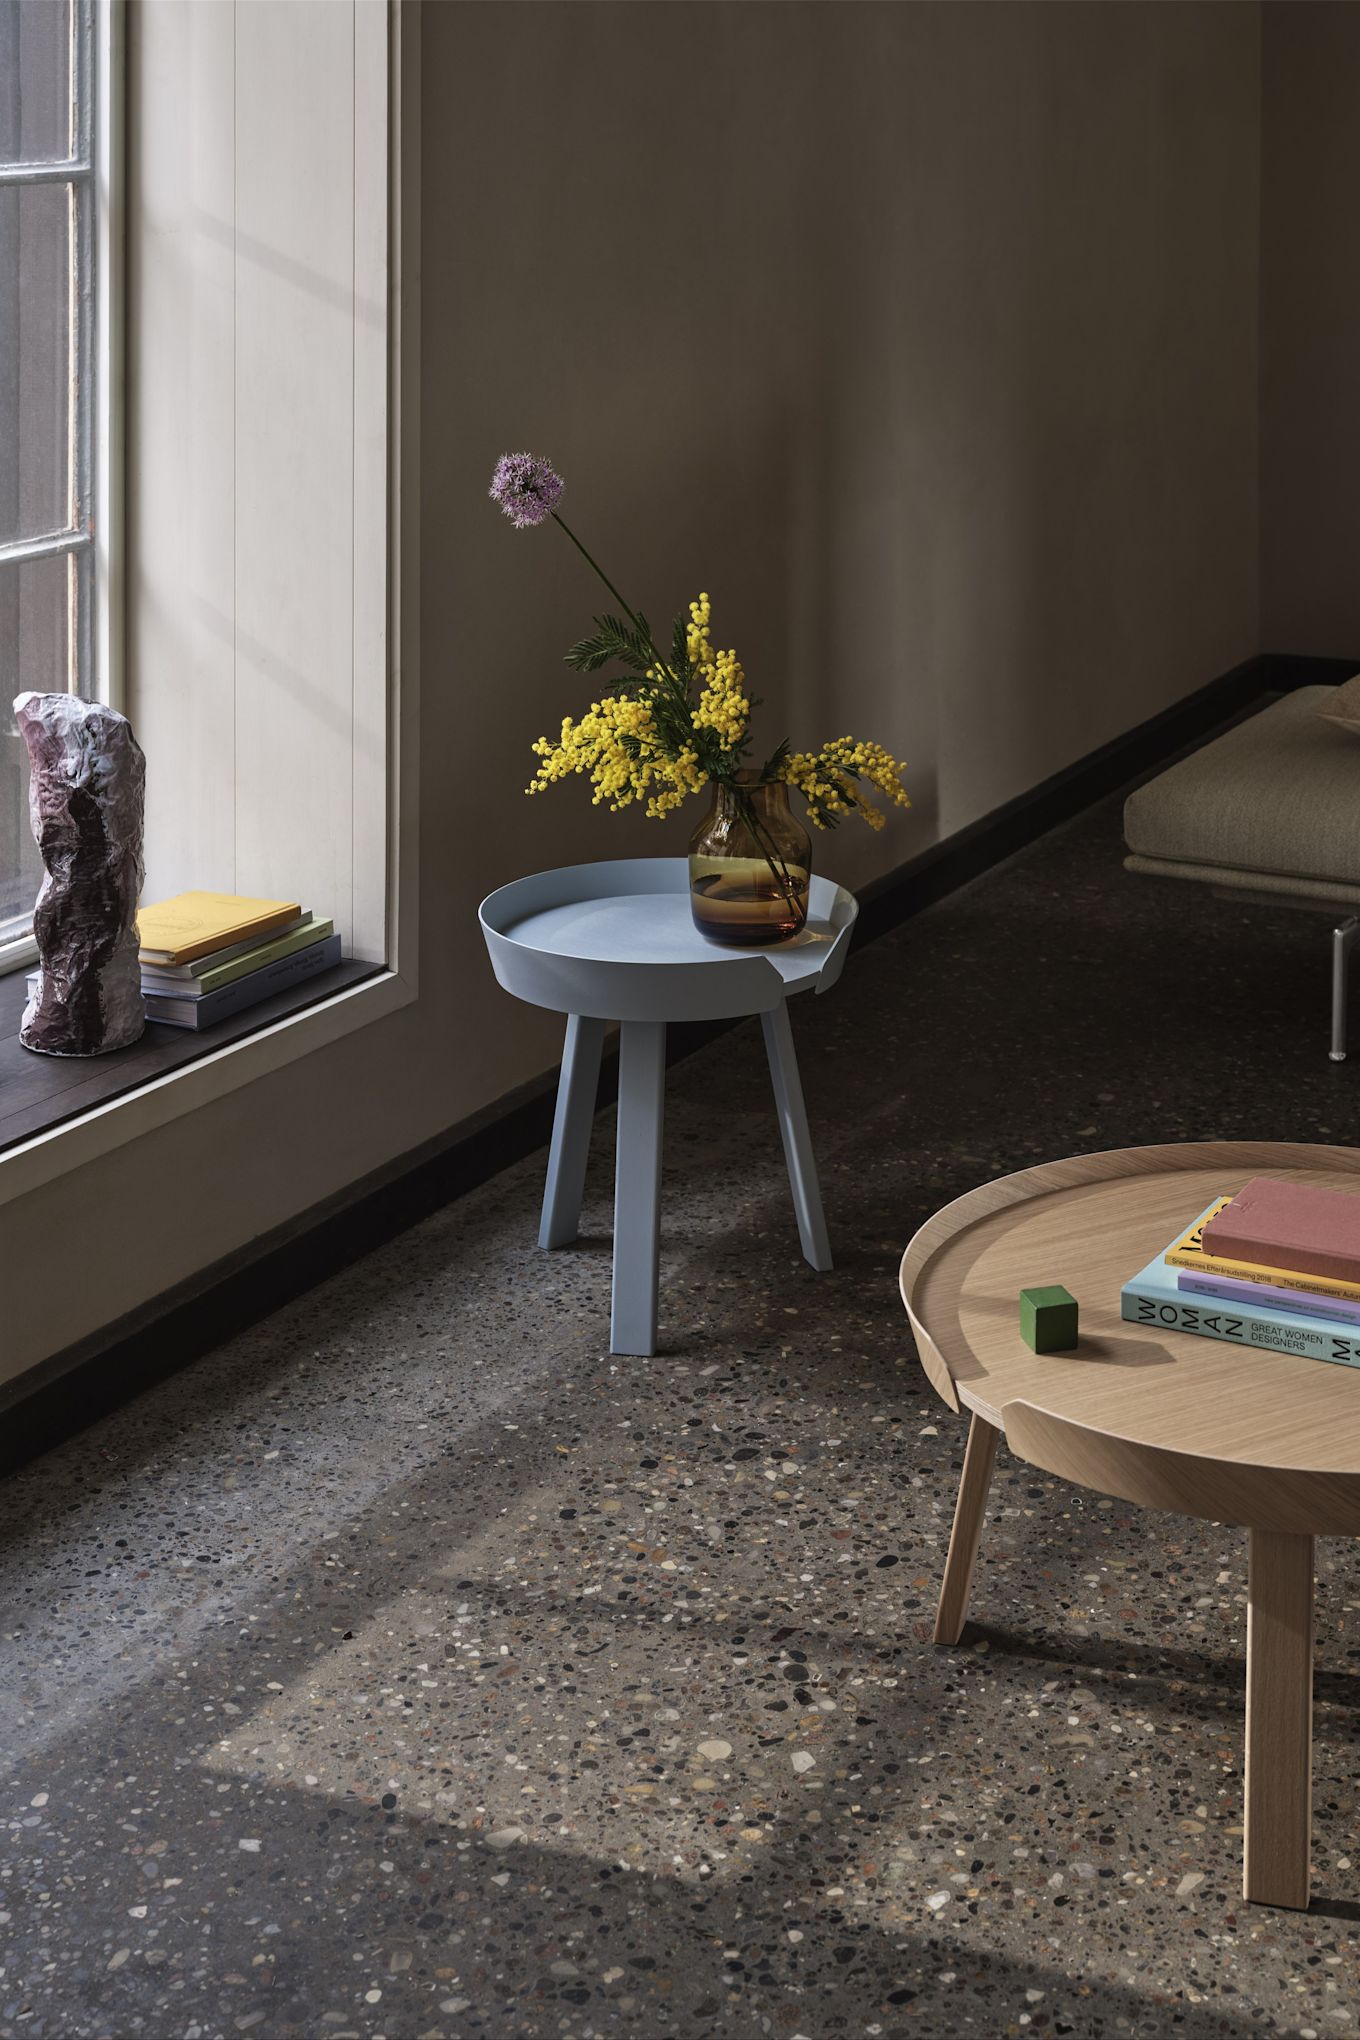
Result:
[408,1667]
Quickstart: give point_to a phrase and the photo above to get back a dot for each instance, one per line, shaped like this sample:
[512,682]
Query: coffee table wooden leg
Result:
[567,1157]
[637,1185]
[1279,1782]
[969,1510]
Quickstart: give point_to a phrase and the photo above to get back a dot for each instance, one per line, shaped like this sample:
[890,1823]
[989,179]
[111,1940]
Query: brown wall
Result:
[1310,331]
[922,336]
[926,343]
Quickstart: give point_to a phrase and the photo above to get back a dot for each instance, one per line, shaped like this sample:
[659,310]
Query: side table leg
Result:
[978,1459]
[637,1185]
[576,1092]
[1279,1718]
[793,1128]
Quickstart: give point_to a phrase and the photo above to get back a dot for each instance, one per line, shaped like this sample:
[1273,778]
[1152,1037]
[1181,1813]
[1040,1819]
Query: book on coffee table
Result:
[1189,1254]
[1153,1297]
[1291,1226]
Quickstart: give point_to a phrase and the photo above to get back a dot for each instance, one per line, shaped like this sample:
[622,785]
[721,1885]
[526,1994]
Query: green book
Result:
[172,985]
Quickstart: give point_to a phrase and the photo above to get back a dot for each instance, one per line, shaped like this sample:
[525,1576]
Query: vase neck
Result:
[769,799]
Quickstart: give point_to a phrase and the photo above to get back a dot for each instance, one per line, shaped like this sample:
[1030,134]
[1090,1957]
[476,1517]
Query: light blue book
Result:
[1154,1297]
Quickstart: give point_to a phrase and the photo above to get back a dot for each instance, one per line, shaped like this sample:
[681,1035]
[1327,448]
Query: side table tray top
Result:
[617,941]
[1206,1427]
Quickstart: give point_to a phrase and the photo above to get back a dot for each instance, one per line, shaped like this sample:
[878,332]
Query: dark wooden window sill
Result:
[38,1092]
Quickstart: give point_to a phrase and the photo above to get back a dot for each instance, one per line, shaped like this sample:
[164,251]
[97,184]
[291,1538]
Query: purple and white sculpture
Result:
[86,797]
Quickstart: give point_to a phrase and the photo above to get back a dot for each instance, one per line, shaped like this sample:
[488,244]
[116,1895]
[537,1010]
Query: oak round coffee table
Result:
[1202,1426]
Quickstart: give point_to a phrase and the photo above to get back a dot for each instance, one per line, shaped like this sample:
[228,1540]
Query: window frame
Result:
[93,538]
[56,1158]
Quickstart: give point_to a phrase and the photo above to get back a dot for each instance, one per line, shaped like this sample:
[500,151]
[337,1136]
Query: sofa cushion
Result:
[1278,793]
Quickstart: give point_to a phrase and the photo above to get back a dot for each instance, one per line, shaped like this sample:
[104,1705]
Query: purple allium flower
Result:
[526,488]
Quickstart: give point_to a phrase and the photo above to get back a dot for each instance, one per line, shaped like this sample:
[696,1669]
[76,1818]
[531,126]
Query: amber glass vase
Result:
[750,860]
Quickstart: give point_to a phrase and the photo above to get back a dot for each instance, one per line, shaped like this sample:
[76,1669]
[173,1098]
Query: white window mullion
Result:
[53,551]
[73,172]
[20,549]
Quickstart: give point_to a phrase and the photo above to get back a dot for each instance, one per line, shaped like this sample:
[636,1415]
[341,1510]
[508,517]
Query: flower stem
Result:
[629,613]
[676,687]
[779,870]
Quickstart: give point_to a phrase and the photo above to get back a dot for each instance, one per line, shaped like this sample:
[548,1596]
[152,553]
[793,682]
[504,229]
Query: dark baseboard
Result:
[76,1387]
[1288,670]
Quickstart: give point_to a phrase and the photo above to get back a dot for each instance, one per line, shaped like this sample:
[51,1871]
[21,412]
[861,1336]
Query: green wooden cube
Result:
[1048,1319]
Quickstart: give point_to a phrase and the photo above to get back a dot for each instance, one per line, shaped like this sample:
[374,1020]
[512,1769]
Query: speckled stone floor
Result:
[409,1667]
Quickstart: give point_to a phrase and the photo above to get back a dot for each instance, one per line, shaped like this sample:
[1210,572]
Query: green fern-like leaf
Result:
[628,645]
[680,651]
[589,654]
[612,640]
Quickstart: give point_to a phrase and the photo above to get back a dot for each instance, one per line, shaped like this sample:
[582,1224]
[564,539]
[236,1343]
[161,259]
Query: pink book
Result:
[1289,1225]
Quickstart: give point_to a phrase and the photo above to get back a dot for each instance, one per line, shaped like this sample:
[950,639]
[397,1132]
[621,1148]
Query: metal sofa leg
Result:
[1344,937]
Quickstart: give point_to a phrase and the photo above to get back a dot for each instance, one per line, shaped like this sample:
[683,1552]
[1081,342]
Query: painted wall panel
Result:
[259,367]
[181,652]
[369,705]
[294,529]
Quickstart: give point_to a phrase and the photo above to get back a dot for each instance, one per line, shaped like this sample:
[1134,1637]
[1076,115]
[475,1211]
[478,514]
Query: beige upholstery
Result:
[1344,706]
[1271,807]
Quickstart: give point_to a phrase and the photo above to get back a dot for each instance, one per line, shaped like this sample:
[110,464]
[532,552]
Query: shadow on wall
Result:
[1076,422]
[688,390]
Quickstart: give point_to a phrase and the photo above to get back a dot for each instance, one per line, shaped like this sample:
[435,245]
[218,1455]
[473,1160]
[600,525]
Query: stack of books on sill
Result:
[1278,1265]
[207,956]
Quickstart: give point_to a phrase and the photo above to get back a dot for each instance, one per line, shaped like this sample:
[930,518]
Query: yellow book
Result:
[1188,1252]
[196,923]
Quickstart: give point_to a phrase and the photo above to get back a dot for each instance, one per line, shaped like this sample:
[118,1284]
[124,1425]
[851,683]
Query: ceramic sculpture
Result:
[85,803]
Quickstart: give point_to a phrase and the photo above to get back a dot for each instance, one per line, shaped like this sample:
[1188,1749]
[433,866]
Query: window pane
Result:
[20,864]
[42,244]
[36,604]
[35,81]
[35,359]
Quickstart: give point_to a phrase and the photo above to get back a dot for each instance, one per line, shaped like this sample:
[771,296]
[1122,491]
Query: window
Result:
[48,435]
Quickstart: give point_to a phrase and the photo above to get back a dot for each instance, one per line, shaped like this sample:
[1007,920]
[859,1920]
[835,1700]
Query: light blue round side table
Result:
[617,941]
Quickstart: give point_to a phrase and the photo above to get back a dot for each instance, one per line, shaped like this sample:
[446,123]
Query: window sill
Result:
[17,952]
[57,1114]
